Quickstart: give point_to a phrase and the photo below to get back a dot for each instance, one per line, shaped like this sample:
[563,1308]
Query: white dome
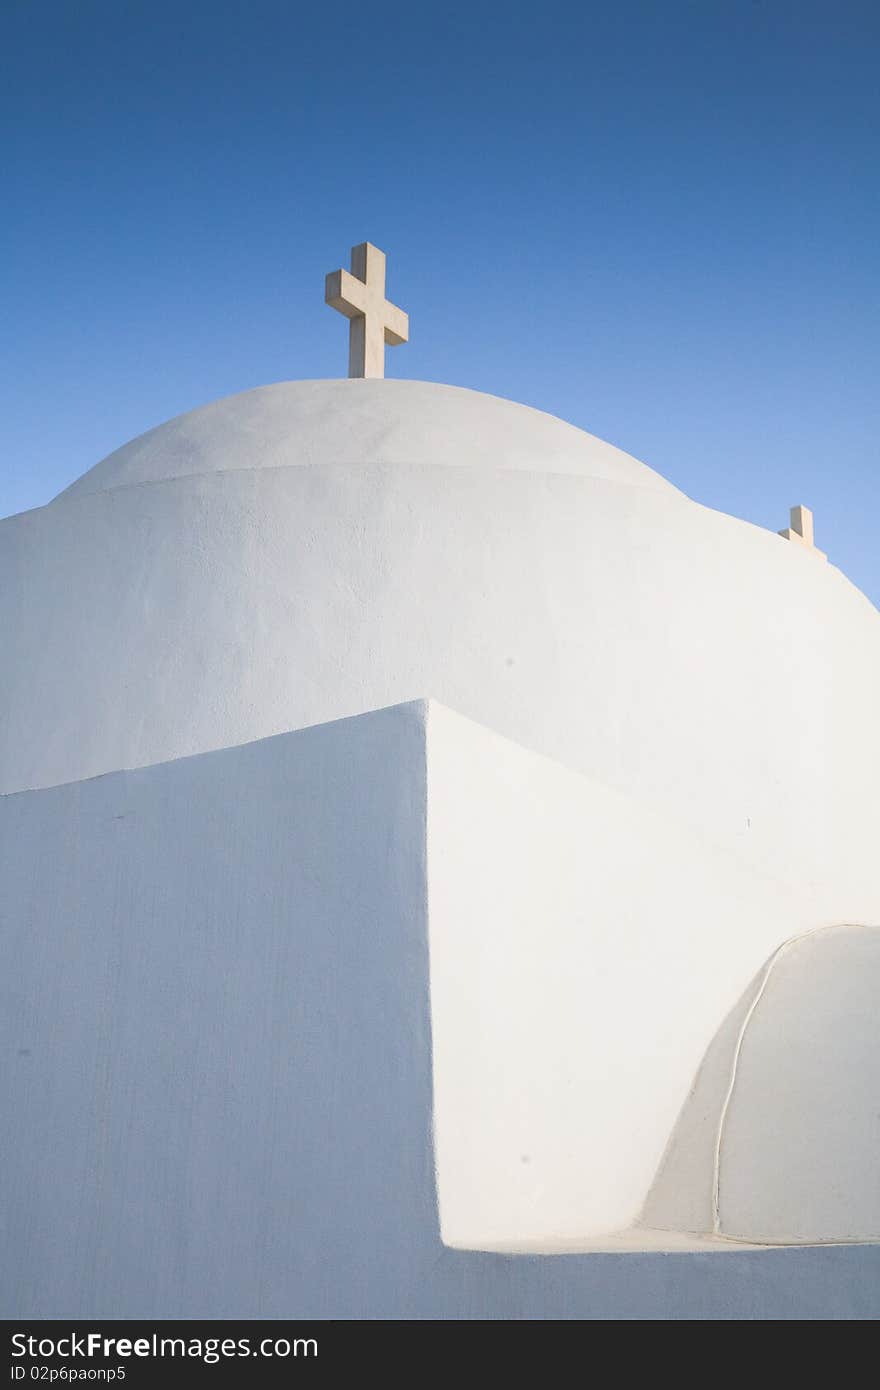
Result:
[298,423]
[193,592]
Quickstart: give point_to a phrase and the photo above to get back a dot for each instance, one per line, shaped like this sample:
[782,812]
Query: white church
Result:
[439,876]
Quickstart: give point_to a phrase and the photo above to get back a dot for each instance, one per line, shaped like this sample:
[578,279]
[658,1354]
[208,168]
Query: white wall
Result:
[215,1080]
[214,1015]
[583,955]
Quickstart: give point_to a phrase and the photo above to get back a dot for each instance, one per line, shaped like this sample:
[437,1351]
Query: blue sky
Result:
[657,220]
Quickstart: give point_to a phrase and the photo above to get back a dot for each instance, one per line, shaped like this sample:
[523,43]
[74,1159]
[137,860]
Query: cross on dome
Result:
[801,530]
[373,321]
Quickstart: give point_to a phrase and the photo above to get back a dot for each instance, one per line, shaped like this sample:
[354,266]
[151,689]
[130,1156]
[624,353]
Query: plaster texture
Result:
[306,552]
[294,919]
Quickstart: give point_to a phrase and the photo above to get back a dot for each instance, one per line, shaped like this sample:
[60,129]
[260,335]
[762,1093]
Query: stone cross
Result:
[360,295]
[801,530]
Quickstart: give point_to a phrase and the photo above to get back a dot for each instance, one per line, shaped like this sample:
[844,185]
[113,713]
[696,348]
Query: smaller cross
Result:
[360,295]
[801,530]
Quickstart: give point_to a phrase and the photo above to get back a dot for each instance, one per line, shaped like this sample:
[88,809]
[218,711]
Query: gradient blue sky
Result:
[657,220]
